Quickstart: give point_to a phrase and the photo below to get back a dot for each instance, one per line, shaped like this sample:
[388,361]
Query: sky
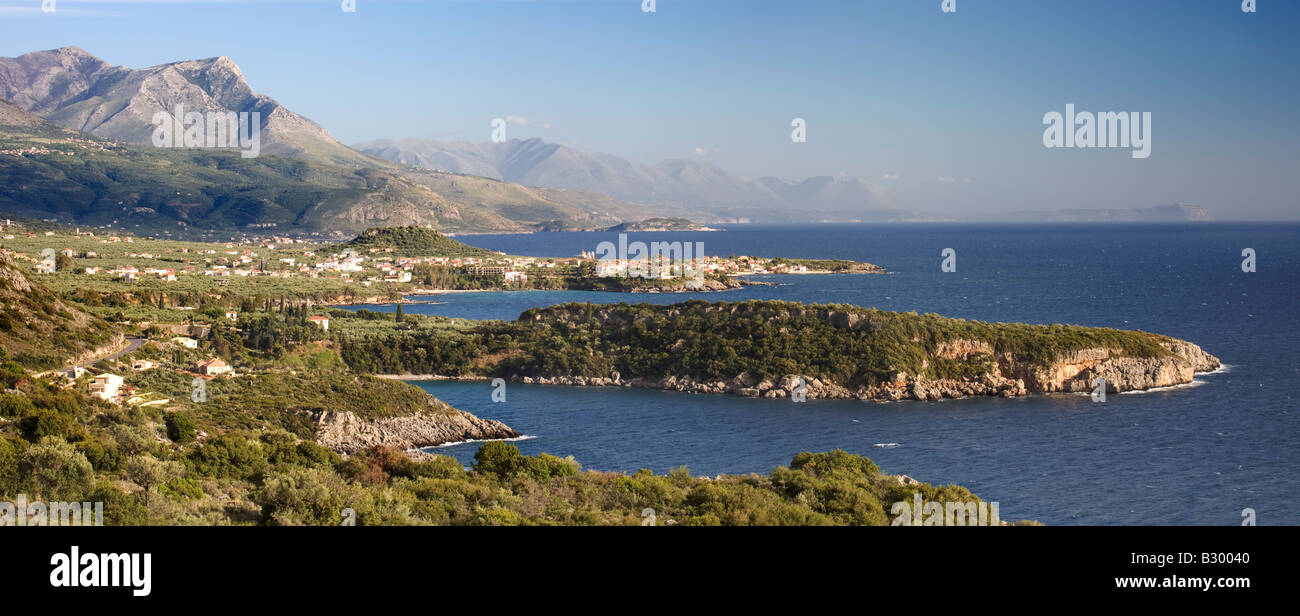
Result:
[944,111]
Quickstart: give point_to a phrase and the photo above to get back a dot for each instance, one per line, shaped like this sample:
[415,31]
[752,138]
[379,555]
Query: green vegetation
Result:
[241,447]
[659,224]
[40,331]
[413,242]
[201,193]
[844,344]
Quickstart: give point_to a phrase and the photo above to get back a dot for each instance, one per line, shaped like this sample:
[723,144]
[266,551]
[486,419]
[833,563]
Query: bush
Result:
[14,406]
[179,428]
[41,423]
[837,461]
[230,455]
[497,458]
[302,497]
[11,455]
[179,489]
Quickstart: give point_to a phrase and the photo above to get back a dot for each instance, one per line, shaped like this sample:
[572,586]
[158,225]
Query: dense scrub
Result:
[845,344]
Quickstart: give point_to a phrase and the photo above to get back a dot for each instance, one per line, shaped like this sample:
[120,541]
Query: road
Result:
[135,343]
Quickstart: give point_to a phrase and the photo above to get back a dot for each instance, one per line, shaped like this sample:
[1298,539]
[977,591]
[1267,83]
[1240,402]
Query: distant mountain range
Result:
[678,183]
[306,182]
[51,172]
[1177,212]
[78,136]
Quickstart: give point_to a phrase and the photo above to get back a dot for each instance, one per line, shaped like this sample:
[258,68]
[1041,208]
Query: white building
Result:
[106,386]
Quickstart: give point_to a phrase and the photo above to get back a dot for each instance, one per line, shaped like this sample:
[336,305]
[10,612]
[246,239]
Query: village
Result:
[282,257]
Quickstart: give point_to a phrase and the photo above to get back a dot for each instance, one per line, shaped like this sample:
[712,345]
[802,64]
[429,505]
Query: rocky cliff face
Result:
[1073,372]
[346,433]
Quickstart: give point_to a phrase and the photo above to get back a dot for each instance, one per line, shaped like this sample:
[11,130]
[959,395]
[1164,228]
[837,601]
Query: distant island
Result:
[660,224]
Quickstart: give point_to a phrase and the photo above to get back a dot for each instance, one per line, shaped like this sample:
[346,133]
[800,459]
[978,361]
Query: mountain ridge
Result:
[676,182]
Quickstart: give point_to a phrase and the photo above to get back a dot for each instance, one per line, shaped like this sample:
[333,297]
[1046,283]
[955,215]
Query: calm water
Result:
[1190,455]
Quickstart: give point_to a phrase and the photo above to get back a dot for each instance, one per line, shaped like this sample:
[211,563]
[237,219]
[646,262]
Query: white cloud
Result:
[947,180]
[889,176]
[517,120]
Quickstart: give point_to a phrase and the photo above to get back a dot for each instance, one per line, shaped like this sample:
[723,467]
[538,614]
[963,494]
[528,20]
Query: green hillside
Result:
[414,242]
[49,172]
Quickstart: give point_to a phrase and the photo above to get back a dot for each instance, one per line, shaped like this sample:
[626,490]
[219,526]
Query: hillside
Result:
[51,172]
[302,183]
[413,242]
[41,331]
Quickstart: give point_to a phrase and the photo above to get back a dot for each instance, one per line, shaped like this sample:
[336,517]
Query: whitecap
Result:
[476,440]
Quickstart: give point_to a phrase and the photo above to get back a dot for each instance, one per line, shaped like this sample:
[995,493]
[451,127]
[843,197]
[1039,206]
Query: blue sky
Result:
[944,111]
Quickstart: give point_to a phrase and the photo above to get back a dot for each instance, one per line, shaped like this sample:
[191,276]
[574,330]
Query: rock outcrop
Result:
[346,433]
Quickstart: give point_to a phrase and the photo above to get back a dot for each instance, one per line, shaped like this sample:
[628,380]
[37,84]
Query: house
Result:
[232,315]
[106,386]
[75,373]
[143,364]
[212,367]
[516,276]
[188,343]
[323,322]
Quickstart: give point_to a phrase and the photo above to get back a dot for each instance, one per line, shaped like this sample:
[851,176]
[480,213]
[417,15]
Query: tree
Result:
[399,313]
[148,471]
[57,470]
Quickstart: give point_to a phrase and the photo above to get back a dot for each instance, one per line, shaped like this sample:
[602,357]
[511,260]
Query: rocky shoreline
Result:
[346,433]
[1073,372]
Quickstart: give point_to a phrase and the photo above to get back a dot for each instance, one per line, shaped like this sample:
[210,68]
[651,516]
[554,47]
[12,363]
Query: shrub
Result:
[179,427]
[301,496]
[497,458]
[230,455]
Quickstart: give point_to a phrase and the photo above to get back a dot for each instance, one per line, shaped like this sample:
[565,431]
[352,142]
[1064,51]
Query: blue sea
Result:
[1196,454]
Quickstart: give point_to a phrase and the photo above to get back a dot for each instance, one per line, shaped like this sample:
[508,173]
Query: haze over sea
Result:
[1195,454]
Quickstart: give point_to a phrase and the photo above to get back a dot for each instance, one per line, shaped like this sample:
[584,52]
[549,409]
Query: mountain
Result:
[51,172]
[73,88]
[677,184]
[1177,212]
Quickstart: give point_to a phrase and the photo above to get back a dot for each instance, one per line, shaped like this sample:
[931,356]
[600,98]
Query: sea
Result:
[1213,452]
